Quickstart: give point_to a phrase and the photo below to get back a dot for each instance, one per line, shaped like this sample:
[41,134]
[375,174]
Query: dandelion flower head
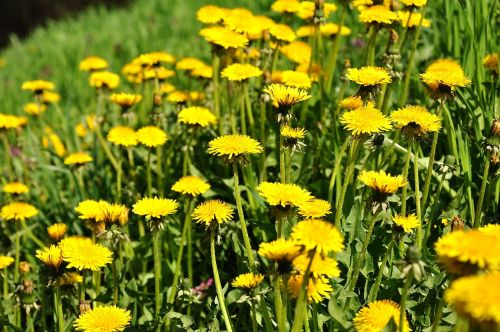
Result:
[191,185]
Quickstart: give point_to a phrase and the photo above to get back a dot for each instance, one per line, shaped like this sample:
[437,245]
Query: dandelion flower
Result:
[125,100]
[351,103]
[213,210]
[376,315]
[320,266]
[406,223]
[296,79]
[332,29]
[196,116]
[382,182]
[93,63]
[103,319]
[155,59]
[204,71]
[51,256]
[234,146]
[8,121]
[318,234]
[365,120]
[298,52]
[155,207]
[189,64]
[315,208]
[282,32]
[224,37]
[293,133]
[69,278]
[178,97]
[191,185]
[445,79]
[124,136]
[317,288]
[285,6]
[210,14]
[283,194]
[5,261]
[378,14]
[57,231]
[307,9]
[18,211]
[90,209]
[82,254]
[49,97]
[247,280]
[415,121]
[477,298]
[491,229]
[34,108]
[284,97]
[38,86]
[240,72]
[78,158]
[104,79]
[368,76]
[413,3]
[17,188]
[281,251]
[490,62]
[464,252]
[113,213]
[412,20]
[161,73]
[151,136]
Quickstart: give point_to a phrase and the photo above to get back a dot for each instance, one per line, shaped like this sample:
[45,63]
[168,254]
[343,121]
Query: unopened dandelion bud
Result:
[84,307]
[24,267]
[157,99]
[457,224]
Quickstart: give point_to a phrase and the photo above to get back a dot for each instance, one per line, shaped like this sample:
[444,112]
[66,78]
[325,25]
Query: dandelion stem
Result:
[8,159]
[159,170]
[246,240]
[17,249]
[119,181]
[243,118]
[301,305]
[417,196]
[216,90]
[336,169]
[370,47]
[148,174]
[353,153]
[115,281]
[332,59]
[402,305]
[380,273]
[278,304]
[248,105]
[405,176]
[479,206]
[254,317]
[282,155]
[58,309]
[434,208]
[218,286]
[157,271]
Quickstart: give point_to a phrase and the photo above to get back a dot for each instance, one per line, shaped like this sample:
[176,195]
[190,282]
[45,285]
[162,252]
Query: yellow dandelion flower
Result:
[491,229]
[212,211]
[414,3]
[280,250]
[382,182]
[210,14]
[313,70]
[160,73]
[444,65]
[351,103]
[477,298]
[93,63]
[78,158]
[315,208]
[82,254]
[318,234]
[104,79]
[51,256]
[297,51]
[247,280]
[103,319]
[285,6]
[293,133]
[125,100]
[376,315]
[307,8]
[166,88]
[321,265]
[113,213]
[204,71]
[365,120]
[296,79]
[49,97]
[178,97]
[282,32]
[191,185]
[490,62]
[38,86]
[378,14]
[245,22]
[17,188]
[5,261]
[445,81]
[155,207]
[151,136]
[283,194]
[57,231]
[317,290]
[332,29]
[406,223]
[284,97]
[415,121]
[18,211]
[124,136]
[189,63]
[368,76]
[90,209]
[80,130]
[240,72]
[412,19]
[463,252]
[224,37]
[8,121]
[69,278]
[234,146]
[34,108]
[155,59]
[196,116]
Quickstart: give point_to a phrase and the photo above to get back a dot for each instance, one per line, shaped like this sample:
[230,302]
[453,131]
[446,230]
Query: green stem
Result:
[402,305]
[288,165]
[115,282]
[434,208]
[17,249]
[216,89]
[218,286]
[58,309]
[190,254]
[119,182]
[301,305]
[278,304]
[370,49]
[417,196]
[336,169]
[332,59]
[8,159]
[432,156]
[380,273]
[353,153]
[157,271]
[479,206]
[248,105]
[243,225]
[438,315]
[178,262]
[148,174]
[405,176]
[306,320]
[254,317]
[159,170]
[282,155]
[243,118]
